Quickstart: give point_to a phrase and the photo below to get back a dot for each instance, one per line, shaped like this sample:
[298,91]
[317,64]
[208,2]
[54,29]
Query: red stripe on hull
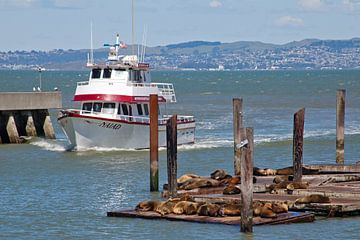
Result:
[114,98]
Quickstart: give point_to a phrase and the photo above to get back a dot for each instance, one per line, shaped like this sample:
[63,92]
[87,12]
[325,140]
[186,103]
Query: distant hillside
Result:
[203,55]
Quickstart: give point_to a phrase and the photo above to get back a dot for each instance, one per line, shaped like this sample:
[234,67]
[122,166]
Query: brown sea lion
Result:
[166,207]
[218,174]
[297,185]
[230,210]
[257,208]
[231,189]
[209,209]
[282,178]
[199,183]
[285,171]
[264,172]
[313,198]
[186,177]
[185,207]
[280,207]
[267,212]
[148,205]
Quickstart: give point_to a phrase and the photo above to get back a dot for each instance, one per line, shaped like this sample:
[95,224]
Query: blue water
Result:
[48,193]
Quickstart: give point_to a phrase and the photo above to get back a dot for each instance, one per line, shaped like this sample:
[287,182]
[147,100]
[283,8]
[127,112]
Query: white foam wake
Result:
[50,145]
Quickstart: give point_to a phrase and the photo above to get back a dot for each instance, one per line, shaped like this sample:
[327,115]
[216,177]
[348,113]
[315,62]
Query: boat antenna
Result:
[91,44]
[132,27]
[143,44]
[144,47]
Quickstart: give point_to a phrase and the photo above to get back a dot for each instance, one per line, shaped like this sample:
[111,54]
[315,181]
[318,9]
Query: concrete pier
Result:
[27,114]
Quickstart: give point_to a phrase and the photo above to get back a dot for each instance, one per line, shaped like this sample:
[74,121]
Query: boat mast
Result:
[91,45]
[132,26]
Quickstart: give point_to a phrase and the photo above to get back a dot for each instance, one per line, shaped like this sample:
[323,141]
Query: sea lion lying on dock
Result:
[280,207]
[148,205]
[219,174]
[209,209]
[263,210]
[199,183]
[288,185]
[313,198]
[230,210]
[282,178]
[186,177]
[264,172]
[186,207]
[231,189]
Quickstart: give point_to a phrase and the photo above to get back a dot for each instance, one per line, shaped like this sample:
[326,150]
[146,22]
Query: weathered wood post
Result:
[171,144]
[246,187]
[238,135]
[154,144]
[298,140]
[340,128]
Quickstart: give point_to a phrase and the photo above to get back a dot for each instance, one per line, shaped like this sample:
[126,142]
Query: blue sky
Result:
[52,24]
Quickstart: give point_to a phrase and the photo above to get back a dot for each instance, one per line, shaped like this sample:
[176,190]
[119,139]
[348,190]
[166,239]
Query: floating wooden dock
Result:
[289,217]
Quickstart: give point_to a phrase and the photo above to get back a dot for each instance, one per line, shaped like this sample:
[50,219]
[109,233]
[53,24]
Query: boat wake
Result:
[51,145]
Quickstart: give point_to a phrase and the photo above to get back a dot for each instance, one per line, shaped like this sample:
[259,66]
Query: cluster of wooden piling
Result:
[339,183]
[27,115]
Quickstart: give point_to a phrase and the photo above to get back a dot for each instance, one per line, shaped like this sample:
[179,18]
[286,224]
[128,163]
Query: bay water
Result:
[47,192]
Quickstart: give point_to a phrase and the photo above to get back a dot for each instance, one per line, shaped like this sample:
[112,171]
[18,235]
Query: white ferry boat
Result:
[114,106]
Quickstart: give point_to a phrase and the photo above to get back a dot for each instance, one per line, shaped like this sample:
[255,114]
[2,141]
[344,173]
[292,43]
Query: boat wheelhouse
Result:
[114,106]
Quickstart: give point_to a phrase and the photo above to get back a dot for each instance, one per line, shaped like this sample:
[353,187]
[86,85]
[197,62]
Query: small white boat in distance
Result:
[114,106]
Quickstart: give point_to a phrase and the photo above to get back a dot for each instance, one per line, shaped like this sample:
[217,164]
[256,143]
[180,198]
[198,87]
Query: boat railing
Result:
[166,90]
[181,118]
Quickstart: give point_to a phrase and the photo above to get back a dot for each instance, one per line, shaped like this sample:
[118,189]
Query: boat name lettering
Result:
[115,126]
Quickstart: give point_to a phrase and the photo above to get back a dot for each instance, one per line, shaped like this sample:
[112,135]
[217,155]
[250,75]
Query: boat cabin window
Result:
[146,109]
[107,73]
[87,107]
[124,109]
[97,106]
[109,108]
[135,76]
[96,73]
[139,108]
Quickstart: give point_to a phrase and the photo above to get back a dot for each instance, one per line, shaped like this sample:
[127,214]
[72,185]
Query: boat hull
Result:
[88,132]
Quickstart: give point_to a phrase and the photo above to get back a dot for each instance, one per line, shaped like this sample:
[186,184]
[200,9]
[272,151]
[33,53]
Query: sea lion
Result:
[185,207]
[208,209]
[282,178]
[186,177]
[264,172]
[266,211]
[231,189]
[166,207]
[148,205]
[257,208]
[297,185]
[219,174]
[285,171]
[313,198]
[199,183]
[230,210]
[280,207]
[230,180]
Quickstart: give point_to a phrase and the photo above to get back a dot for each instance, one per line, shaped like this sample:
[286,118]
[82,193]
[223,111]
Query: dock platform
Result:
[282,218]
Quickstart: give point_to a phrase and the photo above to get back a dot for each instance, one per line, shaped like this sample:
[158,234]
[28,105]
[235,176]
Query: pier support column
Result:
[30,126]
[47,126]
[12,130]
[43,123]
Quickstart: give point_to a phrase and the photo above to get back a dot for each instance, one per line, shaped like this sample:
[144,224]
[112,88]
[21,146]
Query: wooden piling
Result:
[154,144]
[238,136]
[298,140]
[171,144]
[246,187]
[340,128]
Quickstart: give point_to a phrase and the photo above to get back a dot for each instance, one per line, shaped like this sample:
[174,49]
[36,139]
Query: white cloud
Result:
[311,4]
[215,4]
[18,3]
[289,21]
